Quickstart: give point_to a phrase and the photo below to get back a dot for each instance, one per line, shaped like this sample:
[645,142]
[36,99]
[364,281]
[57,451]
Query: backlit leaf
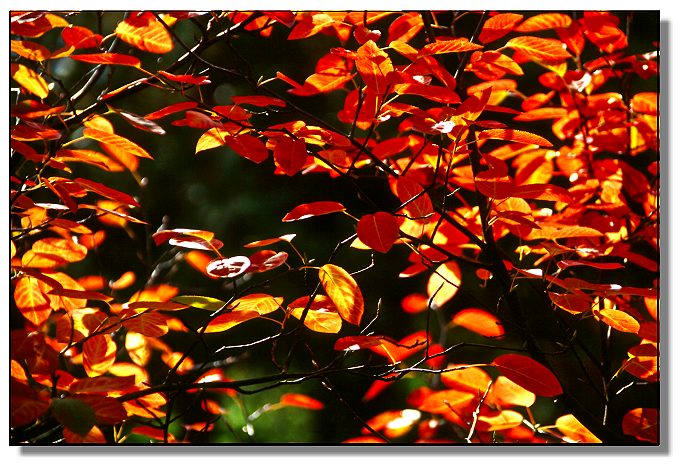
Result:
[618,320]
[228,320]
[574,431]
[397,351]
[505,393]
[479,321]
[29,80]
[404,28]
[151,324]
[30,50]
[80,37]
[201,302]
[99,353]
[544,21]
[573,303]
[108,410]
[109,58]
[94,436]
[355,343]
[449,46]
[117,141]
[322,315]
[542,49]
[259,101]
[529,374]
[643,423]
[260,303]
[187,79]
[146,33]
[497,26]
[497,420]
[378,231]
[290,155]
[107,192]
[172,108]
[343,292]
[514,136]
[443,284]
[304,211]
[248,146]
[33,304]
[300,401]
[468,379]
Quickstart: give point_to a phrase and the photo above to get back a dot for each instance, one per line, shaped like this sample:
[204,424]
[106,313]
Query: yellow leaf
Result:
[443,283]
[343,291]
[30,80]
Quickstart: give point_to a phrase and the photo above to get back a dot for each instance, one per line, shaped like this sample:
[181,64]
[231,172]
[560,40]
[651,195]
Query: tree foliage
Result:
[470,253]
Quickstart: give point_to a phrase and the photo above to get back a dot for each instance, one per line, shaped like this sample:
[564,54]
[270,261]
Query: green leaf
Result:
[201,302]
[74,414]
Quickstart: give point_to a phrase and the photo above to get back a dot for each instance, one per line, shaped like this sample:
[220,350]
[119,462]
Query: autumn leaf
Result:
[618,320]
[529,374]
[290,155]
[343,292]
[542,49]
[378,231]
[108,58]
[30,80]
[443,284]
[146,33]
[479,321]
[305,211]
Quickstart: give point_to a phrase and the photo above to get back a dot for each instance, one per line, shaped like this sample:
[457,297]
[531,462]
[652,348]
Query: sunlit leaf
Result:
[443,284]
[542,49]
[514,136]
[116,141]
[29,80]
[300,401]
[312,209]
[151,324]
[248,146]
[109,58]
[201,302]
[29,298]
[290,155]
[505,393]
[99,353]
[529,374]
[30,50]
[343,292]
[544,21]
[449,46]
[146,33]
[479,321]
[469,379]
[497,26]
[229,320]
[404,28]
[259,101]
[643,423]
[378,231]
[322,315]
[618,320]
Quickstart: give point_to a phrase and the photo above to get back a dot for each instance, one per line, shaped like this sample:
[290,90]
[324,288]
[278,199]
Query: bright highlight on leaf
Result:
[305,211]
[479,321]
[146,33]
[228,267]
[343,292]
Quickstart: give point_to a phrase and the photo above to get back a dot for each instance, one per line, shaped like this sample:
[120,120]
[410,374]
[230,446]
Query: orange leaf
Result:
[30,50]
[260,303]
[573,303]
[443,284]
[514,136]
[468,379]
[94,436]
[150,324]
[497,26]
[173,108]
[259,101]
[229,320]
[544,21]
[189,79]
[541,49]
[80,37]
[618,320]
[448,46]
[404,28]
[643,423]
[416,202]
[31,301]
[301,401]
[117,141]
[378,231]
[228,267]
[107,192]
[146,33]
[479,321]
[99,353]
[290,155]
[396,351]
[109,58]
[529,374]
[343,292]
[304,211]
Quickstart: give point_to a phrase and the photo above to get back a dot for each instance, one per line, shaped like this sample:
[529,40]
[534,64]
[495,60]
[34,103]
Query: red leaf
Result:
[259,100]
[378,231]
[266,260]
[416,201]
[109,58]
[643,423]
[404,28]
[354,343]
[188,238]
[290,155]
[301,401]
[174,108]
[249,147]
[102,384]
[107,192]
[80,37]
[189,79]
[529,374]
[312,209]
[228,320]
